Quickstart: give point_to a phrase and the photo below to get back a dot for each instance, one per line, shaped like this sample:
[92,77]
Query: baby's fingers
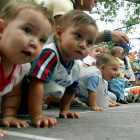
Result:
[63,115]
[23,123]
[101,109]
[77,115]
[38,123]
[5,123]
[52,122]
[19,123]
[72,115]
[15,123]
[117,104]
[111,105]
[2,133]
[45,122]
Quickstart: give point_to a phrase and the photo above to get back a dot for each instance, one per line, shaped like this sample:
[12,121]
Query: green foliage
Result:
[110,47]
[32,1]
[108,11]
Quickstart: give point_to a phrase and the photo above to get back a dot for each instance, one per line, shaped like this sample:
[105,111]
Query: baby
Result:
[94,81]
[21,41]
[90,60]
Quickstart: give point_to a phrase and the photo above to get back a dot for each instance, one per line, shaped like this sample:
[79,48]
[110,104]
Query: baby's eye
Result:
[78,36]
[42,41]
[115,69]
[89,42]
[28,31]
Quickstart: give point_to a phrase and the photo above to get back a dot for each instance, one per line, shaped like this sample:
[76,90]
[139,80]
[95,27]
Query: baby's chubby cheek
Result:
[70,48]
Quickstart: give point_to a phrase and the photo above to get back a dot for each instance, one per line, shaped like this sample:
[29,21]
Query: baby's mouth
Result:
[112,77]
[79,52]
[27,53]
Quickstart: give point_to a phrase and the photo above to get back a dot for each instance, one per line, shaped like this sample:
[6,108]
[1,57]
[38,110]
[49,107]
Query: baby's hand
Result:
[112,103]
[67,114]
[2,133]
[97,108]
[127,77]
[13,121]
[44,121]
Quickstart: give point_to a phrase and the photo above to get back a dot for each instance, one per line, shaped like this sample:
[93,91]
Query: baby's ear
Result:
[102,67]
[1,26]
[58,33]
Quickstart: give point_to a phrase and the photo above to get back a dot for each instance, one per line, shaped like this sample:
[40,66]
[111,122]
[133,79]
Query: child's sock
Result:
[123,102]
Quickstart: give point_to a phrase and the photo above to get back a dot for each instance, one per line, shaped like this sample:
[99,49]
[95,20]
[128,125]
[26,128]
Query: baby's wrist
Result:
[36,117]
[13,116]
[93,105]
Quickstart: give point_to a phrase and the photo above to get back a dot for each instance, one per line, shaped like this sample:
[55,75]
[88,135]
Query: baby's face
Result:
[119,54]
[22,39]
[95,53]
[105,49]
[138,55]
[110,70]
[76,42]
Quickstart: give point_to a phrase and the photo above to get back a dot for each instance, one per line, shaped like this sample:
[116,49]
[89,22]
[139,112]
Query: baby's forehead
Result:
[99,48]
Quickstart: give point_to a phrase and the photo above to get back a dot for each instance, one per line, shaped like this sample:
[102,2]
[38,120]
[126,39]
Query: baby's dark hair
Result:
[115,50]
[105,58]
[77,17]
[11,10]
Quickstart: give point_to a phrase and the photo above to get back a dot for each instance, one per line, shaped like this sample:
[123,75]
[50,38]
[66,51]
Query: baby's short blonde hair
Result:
[12,9]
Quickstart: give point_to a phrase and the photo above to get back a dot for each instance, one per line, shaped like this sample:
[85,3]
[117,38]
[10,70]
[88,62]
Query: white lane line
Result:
[123,112]
[34,137]
[111,108]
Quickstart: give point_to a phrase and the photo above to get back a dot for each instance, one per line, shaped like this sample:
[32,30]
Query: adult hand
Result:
[67,114]
[119,38]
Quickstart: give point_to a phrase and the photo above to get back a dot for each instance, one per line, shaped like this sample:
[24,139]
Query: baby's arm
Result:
[85,65]
[36,92]
[92,101]
[126,76]
[9,106]
[64,106]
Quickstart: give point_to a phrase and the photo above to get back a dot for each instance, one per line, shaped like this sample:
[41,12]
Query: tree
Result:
[108,12]
[108,9]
